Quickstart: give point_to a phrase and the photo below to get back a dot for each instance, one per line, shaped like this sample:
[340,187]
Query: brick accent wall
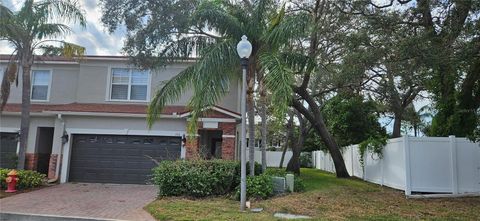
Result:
[52,166]
[228,148]
[228,141]
[31,160]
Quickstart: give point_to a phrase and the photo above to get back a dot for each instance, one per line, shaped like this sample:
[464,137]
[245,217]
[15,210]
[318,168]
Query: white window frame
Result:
[50,71]
[110,83]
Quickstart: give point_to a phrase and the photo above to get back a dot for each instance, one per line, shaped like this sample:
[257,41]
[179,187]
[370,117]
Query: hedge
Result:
[197,178]
[258,187]
[27,178]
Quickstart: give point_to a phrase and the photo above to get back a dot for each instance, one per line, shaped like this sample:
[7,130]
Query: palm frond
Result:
[169,93]
[291,27]
[9,28]
[279,79]
[5,13]
[51,30]
[62,11]
[275,21]
[9,76]
[209,78]
[211,14]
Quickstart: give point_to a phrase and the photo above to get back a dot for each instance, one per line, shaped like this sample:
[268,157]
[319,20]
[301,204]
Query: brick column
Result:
[52,166]
[31,160]
[228,148]
[228,140]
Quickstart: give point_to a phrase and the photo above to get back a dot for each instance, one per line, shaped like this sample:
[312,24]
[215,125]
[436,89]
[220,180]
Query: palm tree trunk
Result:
[251,117]
[289,138]
[25,117]
[263,116]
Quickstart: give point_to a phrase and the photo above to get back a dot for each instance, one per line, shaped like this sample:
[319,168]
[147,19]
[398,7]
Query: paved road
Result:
[92,200]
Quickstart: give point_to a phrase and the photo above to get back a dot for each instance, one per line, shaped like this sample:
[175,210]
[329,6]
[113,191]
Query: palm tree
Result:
[212,28]
[35,26]
[219,63]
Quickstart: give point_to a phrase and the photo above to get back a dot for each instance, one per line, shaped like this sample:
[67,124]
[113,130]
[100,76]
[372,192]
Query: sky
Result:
[95,37]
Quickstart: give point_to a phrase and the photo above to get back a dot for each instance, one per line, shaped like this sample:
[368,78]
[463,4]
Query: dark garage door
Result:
[118,158]
[8,150]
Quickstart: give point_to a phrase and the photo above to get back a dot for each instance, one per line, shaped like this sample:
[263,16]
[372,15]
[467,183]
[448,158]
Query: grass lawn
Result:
[326,198]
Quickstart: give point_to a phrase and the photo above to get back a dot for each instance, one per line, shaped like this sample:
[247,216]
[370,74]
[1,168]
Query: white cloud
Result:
[94,37]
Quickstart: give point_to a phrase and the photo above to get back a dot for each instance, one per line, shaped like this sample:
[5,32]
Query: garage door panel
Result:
[119,159]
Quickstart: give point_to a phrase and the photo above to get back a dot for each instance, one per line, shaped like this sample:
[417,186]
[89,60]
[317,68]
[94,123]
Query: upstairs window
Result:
[129,84]
[40,85]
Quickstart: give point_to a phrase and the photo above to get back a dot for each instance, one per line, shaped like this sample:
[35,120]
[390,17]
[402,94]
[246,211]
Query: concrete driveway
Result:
[88,200]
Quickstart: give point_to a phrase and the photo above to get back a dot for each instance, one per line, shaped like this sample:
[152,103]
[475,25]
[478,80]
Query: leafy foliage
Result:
[27,179]
[258,187]
[352,120]
[197,178]
[373,144]
[306,159]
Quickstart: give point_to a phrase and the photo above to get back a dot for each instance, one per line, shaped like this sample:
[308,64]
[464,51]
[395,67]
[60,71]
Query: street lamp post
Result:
[244,49]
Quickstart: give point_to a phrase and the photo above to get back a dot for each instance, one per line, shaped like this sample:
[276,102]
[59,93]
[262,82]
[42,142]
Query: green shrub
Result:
[195,178]
[276,172]
[306,160]
[298,184]
[258,187]
[27,178]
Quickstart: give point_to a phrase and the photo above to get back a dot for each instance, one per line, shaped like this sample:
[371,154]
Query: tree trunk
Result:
[397,125]
[263,117]
[315,117]
[251,116]
[25,117]
[294,163]
[288,138]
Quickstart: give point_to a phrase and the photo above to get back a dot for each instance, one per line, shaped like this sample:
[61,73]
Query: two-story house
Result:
[88,121]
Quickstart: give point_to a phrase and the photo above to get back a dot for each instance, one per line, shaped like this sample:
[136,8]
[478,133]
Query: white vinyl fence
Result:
[273,158]
[415,164]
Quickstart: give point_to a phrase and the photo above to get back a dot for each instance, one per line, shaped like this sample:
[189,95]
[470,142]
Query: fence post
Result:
[381,169]
[364,164]
[453,161]
[313,159]
[406,150]
[351,157]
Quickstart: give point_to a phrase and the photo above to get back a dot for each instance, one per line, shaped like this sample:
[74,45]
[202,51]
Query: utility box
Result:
[290,181]
[278,185]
